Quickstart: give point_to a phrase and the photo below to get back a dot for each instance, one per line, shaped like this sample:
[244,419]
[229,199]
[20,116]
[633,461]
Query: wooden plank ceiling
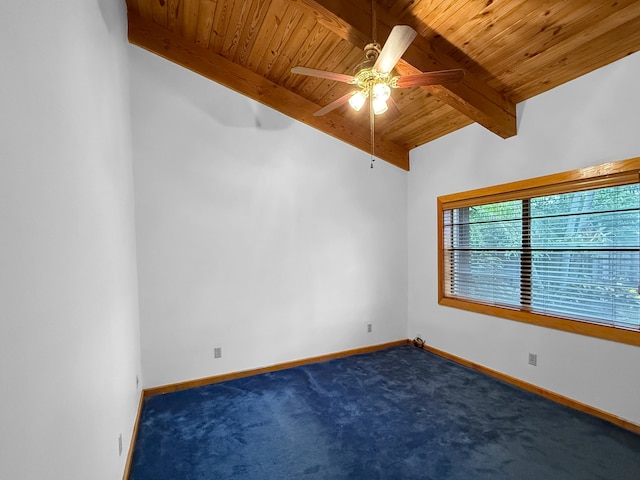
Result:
[511,50]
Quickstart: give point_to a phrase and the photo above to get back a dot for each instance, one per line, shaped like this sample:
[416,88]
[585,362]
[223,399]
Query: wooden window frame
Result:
[599,176]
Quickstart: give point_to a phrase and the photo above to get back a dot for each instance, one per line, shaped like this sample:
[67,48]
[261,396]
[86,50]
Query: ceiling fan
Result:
[374,78]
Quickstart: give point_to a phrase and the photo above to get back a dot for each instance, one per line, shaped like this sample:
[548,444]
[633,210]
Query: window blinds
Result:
[572,255]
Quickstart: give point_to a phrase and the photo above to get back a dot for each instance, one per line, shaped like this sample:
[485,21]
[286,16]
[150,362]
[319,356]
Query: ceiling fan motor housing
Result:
[372,50]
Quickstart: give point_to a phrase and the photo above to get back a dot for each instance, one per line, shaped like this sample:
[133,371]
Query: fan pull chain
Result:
[372,128]
[371,114]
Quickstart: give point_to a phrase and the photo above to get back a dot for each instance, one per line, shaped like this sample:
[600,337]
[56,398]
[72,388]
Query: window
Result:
[562,251]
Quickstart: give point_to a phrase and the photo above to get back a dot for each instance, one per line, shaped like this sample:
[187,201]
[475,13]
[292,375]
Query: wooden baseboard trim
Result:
[134,436]
[556,397]
[174,387]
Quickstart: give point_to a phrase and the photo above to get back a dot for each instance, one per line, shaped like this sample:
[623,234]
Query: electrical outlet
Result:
[120,445]
[369,327]
[217,352]
[533,359]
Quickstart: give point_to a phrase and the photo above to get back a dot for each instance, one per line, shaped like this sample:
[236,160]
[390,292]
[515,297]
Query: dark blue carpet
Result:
[400,413]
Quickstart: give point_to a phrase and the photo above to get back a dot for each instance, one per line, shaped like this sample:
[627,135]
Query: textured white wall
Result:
[69,334]
[255,233]
[589,121]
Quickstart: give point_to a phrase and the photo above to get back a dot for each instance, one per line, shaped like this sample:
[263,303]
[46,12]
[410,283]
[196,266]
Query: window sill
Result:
[630,337]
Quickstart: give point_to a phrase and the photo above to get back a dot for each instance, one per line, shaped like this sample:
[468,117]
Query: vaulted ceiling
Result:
[510,50]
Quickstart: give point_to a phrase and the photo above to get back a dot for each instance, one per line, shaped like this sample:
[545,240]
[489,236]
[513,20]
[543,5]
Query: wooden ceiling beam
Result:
[170,45]
[475,99]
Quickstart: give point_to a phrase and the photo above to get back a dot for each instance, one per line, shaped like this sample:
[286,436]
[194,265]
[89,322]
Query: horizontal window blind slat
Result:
[589,252]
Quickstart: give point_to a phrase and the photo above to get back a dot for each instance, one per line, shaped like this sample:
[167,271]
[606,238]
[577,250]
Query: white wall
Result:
[69,334]
[589,121]
[255,233]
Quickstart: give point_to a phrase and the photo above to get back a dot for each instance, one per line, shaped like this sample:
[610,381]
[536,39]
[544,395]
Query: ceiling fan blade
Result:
[399,40]
[333,105]
[429,78]
[312,72]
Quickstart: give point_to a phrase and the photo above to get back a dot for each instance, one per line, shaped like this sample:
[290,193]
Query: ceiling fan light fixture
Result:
[379,106]
[381,91]
[357,101]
